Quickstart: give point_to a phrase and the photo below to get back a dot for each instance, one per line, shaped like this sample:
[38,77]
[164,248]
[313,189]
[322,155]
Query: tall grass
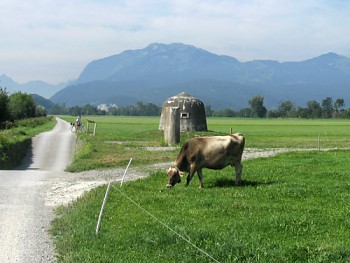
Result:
[290,208]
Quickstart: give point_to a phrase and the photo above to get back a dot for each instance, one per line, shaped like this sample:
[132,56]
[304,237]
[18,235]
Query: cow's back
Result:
[214,152]
[217,152]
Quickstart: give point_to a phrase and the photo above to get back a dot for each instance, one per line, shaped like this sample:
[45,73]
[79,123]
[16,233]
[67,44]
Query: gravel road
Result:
[24,217]
[29,194]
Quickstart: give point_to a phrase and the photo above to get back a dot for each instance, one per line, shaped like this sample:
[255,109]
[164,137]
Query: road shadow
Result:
[225,183]
[27,159]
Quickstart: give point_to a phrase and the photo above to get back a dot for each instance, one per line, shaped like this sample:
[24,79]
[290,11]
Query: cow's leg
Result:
[238,168]
[190,174]
[200,176]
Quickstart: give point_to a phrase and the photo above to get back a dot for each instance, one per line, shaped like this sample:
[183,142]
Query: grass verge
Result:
[14,142]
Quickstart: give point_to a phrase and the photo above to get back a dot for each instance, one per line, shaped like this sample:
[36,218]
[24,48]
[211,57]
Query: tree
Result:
[272,113]
[257,106]
[57,109]
[21,106]
[339,103]
[75,111]
[40,111]
[3,105]
[245,112]
[224,113]
[208,111]
[314,109]
[302,112]
[88,109]
[327,107]
[286,109]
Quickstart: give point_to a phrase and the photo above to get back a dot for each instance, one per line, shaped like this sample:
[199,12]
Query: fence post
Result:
[102,207]
[105,199]
[95,129]
[127,167]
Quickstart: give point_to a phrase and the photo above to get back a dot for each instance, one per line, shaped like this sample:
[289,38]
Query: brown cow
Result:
[214,152]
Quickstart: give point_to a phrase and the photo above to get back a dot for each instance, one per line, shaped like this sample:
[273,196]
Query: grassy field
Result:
[120,138]
[291,208]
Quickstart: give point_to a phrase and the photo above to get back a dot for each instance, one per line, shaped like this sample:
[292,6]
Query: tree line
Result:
[18,106]
[139,109]
[21,105]
[286,109]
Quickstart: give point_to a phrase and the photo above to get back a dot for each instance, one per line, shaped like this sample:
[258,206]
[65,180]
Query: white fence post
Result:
[105,199]
[127,167]
[102,207]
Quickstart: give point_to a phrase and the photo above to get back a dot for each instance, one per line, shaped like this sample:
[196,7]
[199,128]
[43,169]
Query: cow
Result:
[212,152]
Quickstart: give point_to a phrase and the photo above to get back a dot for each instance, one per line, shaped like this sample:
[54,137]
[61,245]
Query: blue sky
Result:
[53,40]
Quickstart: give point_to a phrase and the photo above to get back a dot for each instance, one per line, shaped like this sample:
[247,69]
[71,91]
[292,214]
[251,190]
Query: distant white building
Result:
[106,107]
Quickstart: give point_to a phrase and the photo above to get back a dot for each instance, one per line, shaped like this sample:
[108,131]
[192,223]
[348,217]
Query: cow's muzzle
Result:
[169,186]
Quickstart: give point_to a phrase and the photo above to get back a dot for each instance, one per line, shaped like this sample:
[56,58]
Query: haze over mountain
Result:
[32,87]
[160,71]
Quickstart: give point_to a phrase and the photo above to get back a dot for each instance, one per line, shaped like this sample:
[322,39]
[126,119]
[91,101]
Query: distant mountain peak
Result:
[160,47]
[327,58]
[155,46]
[4,77]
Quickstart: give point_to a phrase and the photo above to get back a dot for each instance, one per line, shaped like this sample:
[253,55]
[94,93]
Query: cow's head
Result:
[174,176]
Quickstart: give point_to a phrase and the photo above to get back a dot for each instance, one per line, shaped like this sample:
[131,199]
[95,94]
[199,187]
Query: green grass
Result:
[120,138]
[287,133]
[291,208]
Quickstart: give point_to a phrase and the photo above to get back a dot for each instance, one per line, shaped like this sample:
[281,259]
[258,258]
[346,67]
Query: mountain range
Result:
[159,71]
[32,87]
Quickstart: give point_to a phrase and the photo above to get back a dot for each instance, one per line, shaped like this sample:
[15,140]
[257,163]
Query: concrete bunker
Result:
[182,113]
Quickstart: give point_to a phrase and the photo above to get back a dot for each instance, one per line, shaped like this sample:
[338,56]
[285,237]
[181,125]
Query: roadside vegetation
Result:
[20,120]
[291,208]
[15,141]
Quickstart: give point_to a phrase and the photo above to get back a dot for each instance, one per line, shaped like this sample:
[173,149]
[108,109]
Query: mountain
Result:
[41,101]
[160,71]
[32,87]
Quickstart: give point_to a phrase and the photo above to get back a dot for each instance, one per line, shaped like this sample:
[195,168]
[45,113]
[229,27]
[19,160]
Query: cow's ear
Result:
[181,174]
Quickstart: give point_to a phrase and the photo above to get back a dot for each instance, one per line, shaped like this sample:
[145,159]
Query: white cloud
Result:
[53,40]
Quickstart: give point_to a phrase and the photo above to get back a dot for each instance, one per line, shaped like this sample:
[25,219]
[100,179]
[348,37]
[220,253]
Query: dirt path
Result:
[24,217]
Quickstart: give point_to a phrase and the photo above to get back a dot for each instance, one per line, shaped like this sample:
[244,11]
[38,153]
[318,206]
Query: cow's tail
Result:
[241,142]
